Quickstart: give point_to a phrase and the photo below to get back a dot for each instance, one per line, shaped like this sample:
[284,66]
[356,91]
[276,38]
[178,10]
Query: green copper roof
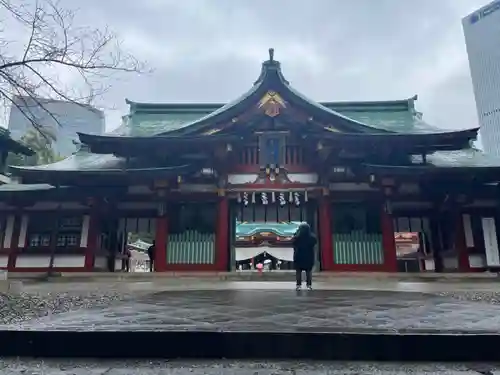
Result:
[146,119]
[397,121]
[83,161]
[399,116]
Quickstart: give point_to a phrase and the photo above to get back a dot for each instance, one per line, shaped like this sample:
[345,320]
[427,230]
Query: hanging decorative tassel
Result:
[253,197]
[239,198]
[306,197]
[263,197]
[281,199]
[273,197]
[296,198]
[245,198]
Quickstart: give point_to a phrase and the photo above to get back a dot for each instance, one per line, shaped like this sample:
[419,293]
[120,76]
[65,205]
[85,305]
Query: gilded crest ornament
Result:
[272,103]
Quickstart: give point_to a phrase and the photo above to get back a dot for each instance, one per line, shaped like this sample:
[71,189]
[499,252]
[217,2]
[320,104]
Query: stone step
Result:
[258,276]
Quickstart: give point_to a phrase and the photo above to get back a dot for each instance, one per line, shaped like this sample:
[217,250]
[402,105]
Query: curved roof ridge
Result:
[167,105]
[408,102]
[335,113]
[270,79]
[207,105]
[87,139]
[442,132]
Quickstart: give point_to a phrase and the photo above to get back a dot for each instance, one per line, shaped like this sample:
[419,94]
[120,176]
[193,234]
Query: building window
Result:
[41,229]
[351,218]
[198,217]
[68,240]
[272,147]
[39,240]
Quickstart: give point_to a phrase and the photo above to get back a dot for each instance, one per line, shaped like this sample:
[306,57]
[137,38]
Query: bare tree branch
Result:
[54,46]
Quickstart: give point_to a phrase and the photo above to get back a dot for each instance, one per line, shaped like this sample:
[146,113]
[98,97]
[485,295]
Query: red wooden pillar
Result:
[325,233]
[222,234]
[461,245]
[161,243]
[14,240]
[388,240]
[92,238]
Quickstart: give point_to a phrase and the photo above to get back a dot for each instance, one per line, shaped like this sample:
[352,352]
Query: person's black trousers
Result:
[151,265]
[298,276]
[127,265]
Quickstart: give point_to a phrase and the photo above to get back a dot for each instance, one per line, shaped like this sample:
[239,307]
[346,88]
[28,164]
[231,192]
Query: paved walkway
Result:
[347,283]
[400,307]
[93,367]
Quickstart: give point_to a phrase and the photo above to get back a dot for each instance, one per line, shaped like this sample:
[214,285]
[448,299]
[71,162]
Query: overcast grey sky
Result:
[211,50]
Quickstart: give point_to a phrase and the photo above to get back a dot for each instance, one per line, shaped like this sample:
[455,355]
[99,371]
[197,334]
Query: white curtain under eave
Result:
[281,253]
[246,253]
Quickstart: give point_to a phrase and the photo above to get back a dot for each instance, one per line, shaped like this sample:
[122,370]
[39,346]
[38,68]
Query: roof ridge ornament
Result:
[271,66]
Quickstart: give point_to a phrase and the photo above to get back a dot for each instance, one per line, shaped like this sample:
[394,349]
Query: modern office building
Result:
[64,119]
[482,37]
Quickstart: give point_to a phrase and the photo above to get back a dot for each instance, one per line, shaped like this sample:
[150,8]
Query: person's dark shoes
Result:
[309,287]
[298,288]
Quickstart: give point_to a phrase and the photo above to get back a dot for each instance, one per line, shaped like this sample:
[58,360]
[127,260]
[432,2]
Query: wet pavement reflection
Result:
[263,307]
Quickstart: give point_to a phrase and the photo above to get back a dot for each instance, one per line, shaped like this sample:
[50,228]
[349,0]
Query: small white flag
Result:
[263,197]
[281,199]
[296,198]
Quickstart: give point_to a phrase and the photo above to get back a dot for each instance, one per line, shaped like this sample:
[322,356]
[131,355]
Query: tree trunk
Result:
[53,241]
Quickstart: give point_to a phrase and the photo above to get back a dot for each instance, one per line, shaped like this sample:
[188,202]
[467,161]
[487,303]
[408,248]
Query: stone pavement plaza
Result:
[238,306]
[224,367]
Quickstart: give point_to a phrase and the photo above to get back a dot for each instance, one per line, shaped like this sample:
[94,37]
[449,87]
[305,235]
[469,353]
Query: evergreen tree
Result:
[42,143]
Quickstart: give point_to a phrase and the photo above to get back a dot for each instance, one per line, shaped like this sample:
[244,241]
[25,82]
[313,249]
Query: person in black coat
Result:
[151,255]
[303,254]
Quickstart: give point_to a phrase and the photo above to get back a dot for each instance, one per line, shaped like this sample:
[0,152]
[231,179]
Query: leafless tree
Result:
[40,44]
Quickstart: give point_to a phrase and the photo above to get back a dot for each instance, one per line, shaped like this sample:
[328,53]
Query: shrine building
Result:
[196,177]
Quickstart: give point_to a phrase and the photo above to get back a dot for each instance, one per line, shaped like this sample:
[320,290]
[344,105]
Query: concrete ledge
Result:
[256,276]
[251,345]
